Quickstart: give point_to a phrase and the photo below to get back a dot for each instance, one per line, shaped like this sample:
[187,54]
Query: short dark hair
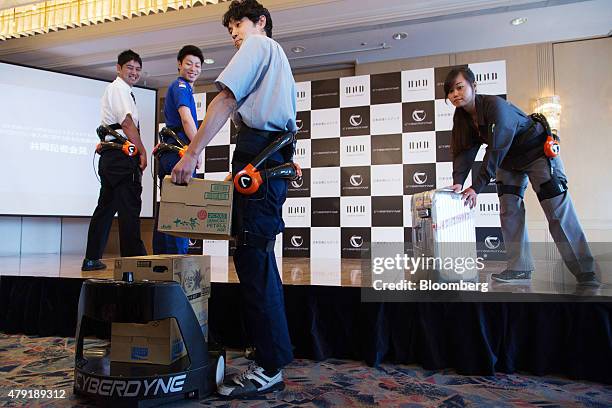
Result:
[251,9]
[127,56]
[452,76]
[190,50]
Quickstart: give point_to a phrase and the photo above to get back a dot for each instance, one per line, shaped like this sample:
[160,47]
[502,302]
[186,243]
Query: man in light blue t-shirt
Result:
[257,89]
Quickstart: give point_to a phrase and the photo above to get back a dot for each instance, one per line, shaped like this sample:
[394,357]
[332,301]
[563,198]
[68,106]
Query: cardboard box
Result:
[160,342]
[191,271]
[200,210]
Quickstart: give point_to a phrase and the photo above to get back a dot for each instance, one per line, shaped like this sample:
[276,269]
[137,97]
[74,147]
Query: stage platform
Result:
[549,278]
[550,326]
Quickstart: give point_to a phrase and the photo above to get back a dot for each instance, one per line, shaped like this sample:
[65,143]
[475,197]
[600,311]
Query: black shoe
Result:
[587,279]
[251,382]
[92,265]
[509,276]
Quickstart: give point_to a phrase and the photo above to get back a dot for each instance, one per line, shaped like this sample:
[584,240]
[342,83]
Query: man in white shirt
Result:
[120,174]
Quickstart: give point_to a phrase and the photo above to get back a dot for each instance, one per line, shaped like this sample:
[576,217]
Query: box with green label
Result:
[200,210]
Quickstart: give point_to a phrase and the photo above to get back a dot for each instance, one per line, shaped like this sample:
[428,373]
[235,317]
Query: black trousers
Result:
[120,193]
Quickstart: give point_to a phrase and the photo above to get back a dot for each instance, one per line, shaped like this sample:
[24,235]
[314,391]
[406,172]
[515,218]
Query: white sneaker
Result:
[252,381]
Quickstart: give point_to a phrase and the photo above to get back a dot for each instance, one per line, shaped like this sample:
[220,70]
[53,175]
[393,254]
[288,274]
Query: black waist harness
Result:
[532,137]
[526,147]
[241,155]
[176,130]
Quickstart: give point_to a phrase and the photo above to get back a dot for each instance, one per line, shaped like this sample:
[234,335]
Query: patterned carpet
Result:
[46,363]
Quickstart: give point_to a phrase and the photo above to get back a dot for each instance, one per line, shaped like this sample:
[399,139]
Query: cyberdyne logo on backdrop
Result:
[355,120]
[419,115]
[356,241]
[297,241]
[297,183]
[492,242]
[356,180]
[419,178]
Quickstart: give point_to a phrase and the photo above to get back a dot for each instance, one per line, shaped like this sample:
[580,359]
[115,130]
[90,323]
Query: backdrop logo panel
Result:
[217,159]
[366,144]
[387,211]
[325,242]
[386,119]
[355,151]
[355,181]
[325,212]
[444,174]
[355,242]
[419,178]
[200,101]
[355,91]
[387,149]
[325,152]
[302,154]
[443,147]
[386,180]
[303,124]
[418,116]
[303,96]
[418,85]
[490,77]
[355,121]
[444,115]
[490,243]
[296,212]
[325,94]
[386,88]
[419,147]
[325,182]
[325,123]
[196,247]
[355,211]
[296,242]
[300,188]
[407,211]
[487,210]
[387,234]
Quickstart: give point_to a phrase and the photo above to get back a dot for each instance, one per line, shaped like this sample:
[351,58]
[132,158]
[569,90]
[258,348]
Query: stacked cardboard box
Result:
[160,342]
[200,210]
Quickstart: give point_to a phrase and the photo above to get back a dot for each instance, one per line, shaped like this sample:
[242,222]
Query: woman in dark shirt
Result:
[514,155]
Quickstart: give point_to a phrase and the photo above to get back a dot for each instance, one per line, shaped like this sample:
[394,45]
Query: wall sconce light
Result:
[550,106]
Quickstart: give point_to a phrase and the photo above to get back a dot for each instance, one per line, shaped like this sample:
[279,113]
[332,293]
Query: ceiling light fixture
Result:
[400,36]
[298,49]
[209,61]
[518,21]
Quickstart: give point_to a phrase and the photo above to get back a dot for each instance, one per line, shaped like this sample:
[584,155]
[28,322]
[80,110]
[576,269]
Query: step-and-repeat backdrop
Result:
[366,144]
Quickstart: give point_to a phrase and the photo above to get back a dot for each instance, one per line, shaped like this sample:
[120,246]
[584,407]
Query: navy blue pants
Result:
[262,290]
[165,243]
